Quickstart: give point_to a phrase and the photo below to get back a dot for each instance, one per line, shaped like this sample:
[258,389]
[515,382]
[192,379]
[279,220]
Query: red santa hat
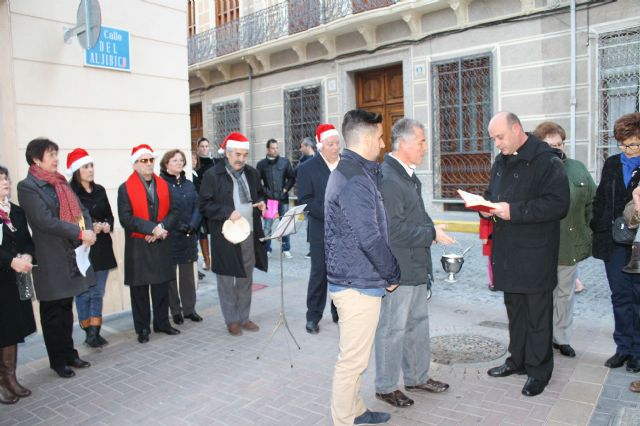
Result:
[234,140]
[76,159]
[323,132]
[139,151]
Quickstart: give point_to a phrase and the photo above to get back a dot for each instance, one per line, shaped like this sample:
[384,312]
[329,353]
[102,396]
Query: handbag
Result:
[620,231]
[25,285]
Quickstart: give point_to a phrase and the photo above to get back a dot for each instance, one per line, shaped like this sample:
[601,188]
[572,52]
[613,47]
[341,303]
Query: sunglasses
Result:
[146,160]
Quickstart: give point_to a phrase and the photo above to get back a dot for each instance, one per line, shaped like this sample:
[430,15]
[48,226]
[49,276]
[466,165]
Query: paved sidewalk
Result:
[207,377]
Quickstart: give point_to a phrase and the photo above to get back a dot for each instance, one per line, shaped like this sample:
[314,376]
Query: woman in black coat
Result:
[94,198]
[620,175]
[16,316]
[183,236]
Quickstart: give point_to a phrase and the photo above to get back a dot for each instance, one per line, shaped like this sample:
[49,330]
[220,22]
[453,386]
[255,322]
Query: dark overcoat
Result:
[185,199]
[525,248]
[145,263]
[97,203]
[16,316]
[216,205]
[56,276]
[311,183]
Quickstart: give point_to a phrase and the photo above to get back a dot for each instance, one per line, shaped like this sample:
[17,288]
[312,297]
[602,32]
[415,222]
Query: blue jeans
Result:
[89,303]
[402,339]
[283,206]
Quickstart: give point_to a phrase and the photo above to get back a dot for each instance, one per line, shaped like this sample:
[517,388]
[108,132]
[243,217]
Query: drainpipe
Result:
[572,100]
[250,106]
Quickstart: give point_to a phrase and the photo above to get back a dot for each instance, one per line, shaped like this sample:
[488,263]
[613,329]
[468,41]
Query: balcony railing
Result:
[283,19]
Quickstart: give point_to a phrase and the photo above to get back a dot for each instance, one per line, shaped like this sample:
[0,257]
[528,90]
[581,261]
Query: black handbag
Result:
[620,231]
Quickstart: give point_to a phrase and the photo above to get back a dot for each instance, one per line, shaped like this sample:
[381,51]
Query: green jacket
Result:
[575,234]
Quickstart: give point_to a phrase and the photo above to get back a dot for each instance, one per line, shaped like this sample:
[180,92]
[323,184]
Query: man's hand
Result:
[441,236]
[503,211]
[636,199]
[150,239]
[392,287]
[88,237]
[97,227]
[106,228]
[158,231]
[260,206]
[235,215]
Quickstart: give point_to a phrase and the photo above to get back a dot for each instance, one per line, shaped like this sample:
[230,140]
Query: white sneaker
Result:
[287,254]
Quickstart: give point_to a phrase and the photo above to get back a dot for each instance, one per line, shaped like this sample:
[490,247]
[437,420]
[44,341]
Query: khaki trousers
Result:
[563,301]
[359,316]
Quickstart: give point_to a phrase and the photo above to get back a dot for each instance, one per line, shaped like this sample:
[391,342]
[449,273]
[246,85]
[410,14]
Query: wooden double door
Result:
[381,91]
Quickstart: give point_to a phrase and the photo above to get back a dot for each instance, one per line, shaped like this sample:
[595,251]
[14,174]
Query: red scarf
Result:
[138,198]
[69,205]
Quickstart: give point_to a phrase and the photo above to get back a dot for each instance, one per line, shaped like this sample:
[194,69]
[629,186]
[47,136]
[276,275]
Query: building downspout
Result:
[250,106]
[572,96]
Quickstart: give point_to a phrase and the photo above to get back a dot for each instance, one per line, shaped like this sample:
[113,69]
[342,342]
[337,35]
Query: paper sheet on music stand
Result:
[287,224]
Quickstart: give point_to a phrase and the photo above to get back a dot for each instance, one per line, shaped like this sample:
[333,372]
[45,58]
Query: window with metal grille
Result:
[227,11]
[226,119]
[302,114]
[462,109]
[619,86]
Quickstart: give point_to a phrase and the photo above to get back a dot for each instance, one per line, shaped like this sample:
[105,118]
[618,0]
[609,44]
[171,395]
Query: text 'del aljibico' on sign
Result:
[111,51]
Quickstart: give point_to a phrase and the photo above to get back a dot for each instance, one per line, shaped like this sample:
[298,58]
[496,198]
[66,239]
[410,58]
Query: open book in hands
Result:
[476,202]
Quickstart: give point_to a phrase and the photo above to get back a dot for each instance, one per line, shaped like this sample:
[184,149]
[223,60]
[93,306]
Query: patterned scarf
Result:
[69,206]
[5,210]
[243,190]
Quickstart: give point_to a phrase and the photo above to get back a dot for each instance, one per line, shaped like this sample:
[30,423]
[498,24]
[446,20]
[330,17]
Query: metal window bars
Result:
[226,119]
[302,114]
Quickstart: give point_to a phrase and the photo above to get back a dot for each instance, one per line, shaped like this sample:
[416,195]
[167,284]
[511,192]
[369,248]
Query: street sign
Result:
[111,51]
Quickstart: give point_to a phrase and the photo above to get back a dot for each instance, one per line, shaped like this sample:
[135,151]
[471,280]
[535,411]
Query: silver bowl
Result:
[452,263]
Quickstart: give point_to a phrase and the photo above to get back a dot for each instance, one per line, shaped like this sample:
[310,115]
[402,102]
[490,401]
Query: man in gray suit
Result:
[402,337]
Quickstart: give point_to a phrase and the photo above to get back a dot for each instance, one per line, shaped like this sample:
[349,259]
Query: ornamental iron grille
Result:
[619,88]
[226,119]
[462,110]
[302,114]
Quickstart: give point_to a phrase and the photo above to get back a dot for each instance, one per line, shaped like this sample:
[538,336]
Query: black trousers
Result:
[531,333]
[140,306]
[56,319]
[317,288]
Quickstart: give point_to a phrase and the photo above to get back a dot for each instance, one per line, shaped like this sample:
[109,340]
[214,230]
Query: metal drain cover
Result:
[465,348]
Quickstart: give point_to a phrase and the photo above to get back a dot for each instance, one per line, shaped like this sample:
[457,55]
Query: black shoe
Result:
[504,370]
[65,372]
[102,340]
[168,330]
[92,337]
[617,360]
[565,350]
[201,275]
[335,317]
[312,327]
[79,363]
[533,387]
[633,365]
[178,319]
[194,317]
[143,336]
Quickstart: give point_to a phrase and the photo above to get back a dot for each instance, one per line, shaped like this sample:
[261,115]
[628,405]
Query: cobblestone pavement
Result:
[207,377]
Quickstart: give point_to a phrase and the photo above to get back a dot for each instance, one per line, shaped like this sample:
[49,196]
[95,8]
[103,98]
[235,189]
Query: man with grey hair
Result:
[402,337]
[307,149]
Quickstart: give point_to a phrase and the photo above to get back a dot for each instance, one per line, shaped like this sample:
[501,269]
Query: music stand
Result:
[286,226]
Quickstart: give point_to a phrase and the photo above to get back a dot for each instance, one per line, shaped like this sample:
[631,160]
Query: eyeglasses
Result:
[146,160]
[630,147]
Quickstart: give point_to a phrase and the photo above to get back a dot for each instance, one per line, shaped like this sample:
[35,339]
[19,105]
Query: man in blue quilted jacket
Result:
[360,265]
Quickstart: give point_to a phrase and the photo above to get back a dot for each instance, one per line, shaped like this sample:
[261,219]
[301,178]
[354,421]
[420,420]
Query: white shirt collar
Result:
[409,169]
[333,166]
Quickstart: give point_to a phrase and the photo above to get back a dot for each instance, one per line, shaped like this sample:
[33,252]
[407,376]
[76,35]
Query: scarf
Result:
[137,193]
[628,166]
[243,190]
[5,210]
[69,206]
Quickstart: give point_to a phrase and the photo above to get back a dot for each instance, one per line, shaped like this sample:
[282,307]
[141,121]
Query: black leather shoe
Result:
[504,370]
[633,365]
[565,350]
[143,336]
[533,387]
[617,360]
[65,372]
[194,317]
[178,319]
[312,327]
[395,398]
[335,318]
[169,330]
[79,363]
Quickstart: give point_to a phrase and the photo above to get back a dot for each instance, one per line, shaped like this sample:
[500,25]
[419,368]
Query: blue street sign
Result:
[111,51]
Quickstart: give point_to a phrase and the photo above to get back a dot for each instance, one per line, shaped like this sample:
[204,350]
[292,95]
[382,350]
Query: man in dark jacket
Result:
[529,184]
[360,265]
[231,190]
[146,212]
[402,338]
[311,183]
[277,178]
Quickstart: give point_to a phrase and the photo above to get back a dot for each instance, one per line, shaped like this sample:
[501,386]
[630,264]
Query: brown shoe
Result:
[635,386]
[395,398]
[431,386]
[250,326]
[234,329]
